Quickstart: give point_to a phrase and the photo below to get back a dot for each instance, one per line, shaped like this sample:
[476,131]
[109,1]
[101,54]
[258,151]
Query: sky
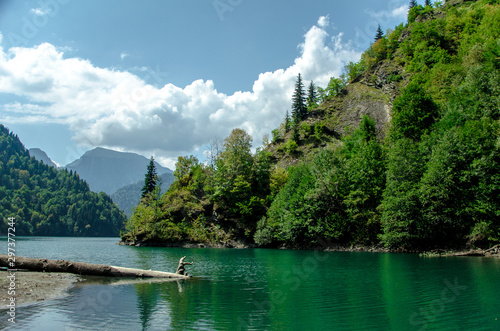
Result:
[167,77]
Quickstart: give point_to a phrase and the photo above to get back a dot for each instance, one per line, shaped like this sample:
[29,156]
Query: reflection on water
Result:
[274,289]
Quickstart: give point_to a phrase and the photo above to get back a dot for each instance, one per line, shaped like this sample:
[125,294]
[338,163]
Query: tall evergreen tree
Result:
[413,3]
[150,180]
[428,3]
[380,34]
[299,108]
[312,95]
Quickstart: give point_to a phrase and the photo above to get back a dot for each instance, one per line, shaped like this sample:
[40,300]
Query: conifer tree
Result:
[150,180]
[380,34]
[428,3]
[413,3]
[312,96]
[287,122]
[299,108]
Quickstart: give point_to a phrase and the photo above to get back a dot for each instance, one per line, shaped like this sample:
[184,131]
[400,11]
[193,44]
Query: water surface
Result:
[259,289]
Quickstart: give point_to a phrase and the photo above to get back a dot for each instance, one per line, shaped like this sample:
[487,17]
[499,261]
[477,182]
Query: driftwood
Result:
[493,250]
[180,268]
[82,268]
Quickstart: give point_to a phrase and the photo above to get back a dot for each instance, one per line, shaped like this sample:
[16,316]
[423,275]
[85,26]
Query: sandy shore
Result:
[31,287]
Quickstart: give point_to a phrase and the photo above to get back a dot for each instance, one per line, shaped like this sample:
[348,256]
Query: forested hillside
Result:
[401,151]
[49,202]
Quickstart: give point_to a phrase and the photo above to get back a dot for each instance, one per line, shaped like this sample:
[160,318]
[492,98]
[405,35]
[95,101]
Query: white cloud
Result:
[400,12]
[117,109]
[324,21]
[396,10]
[124,55]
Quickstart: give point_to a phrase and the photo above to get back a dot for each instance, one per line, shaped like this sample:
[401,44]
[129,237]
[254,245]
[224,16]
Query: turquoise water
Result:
[258,289]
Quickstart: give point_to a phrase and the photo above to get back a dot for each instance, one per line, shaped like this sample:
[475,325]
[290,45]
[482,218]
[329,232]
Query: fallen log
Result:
[82,268]
[493,250]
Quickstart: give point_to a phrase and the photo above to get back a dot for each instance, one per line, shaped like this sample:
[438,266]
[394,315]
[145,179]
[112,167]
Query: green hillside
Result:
[49,202]
[402,152]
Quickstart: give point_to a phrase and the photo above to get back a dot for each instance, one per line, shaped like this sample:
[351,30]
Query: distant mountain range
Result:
[40,155]
[107,170]
[118,174]
[128,197]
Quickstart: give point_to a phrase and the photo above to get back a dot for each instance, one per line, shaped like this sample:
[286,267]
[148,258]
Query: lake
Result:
[260,289]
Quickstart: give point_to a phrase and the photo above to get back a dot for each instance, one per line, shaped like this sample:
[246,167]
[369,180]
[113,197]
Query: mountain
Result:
[129,196]
[40,155]
[402,151]
[45,201]
[107,170]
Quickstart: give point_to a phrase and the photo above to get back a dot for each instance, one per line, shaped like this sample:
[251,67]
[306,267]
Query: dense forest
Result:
[50,202]
[426,177]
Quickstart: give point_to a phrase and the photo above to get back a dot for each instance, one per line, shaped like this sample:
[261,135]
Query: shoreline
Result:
[32,286]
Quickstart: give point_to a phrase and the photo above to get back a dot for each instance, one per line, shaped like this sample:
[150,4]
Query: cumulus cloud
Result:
[117,109]
[324,21]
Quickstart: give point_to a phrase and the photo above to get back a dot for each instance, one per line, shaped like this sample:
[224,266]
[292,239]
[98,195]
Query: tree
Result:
[299,108]
[184,168]
[413,3]
[150,180]
[287,122]
[364,182]
[235,202]
[401,204]
[236,157]
[428,3]
[380,34]
[312,96]
[413,113]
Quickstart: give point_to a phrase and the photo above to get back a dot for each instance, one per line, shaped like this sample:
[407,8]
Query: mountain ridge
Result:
[40,155]
[108,170]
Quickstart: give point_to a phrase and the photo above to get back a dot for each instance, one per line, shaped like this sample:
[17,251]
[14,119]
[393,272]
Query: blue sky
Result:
[165,77]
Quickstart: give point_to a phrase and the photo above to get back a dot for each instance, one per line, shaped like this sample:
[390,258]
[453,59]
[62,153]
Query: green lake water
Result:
[259,289]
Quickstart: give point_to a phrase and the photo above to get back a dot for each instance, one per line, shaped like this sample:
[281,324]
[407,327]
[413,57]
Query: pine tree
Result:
[380,34]
[413,3]
[312,96]
[150,180]
[299,108]
[428,3]
[287,122]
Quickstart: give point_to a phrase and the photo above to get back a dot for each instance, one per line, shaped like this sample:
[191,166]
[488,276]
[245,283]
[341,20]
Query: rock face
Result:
[358,100]
[106,170]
